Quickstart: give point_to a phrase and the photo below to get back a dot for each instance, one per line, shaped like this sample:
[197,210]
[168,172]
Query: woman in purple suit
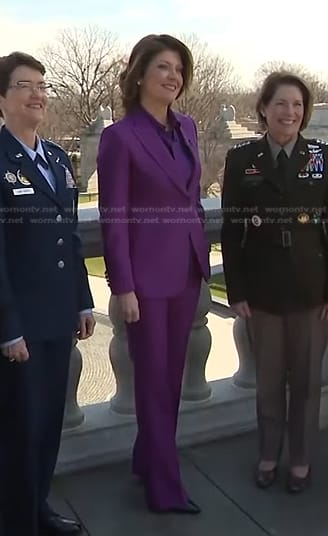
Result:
[155,249]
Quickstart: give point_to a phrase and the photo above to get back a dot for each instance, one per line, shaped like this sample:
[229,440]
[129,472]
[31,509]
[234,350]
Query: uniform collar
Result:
[276,148]
[30,152]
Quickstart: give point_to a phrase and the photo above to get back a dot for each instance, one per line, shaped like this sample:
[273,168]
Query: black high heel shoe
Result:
[297,484]
[264,478]
[190,508]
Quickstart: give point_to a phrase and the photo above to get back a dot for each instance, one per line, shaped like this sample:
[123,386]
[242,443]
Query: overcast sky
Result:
[247,33]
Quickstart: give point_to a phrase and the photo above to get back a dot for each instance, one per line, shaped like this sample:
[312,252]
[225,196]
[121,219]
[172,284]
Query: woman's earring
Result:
[138,83]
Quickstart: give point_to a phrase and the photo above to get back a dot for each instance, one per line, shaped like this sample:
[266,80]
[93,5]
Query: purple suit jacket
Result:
[150,220]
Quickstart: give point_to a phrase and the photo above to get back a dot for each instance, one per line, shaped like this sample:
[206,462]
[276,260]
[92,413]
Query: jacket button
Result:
[60,241]
[59,219]
[61,264]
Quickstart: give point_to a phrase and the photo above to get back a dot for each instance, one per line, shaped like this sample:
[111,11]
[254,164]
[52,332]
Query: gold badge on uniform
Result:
[303,218]
[10,177]
[23,180]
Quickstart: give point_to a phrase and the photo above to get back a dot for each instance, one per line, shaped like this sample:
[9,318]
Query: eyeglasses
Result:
[30,87]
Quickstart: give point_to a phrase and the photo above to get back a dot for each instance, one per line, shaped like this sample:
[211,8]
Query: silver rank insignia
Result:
[10,177]
[242,144]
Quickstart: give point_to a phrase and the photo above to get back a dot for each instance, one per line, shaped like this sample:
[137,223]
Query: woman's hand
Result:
[129,306]
[16,352]
[241,309]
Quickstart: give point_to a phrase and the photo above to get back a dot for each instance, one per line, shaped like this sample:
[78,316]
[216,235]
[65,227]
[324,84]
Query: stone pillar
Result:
[195,386]
[245,375]
[123,400]
[89,145]
[73,416]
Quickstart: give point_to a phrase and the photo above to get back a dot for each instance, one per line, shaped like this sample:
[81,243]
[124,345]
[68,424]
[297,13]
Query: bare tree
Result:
[214,80]
[60,126]
[214,77]
[318,86]
[244,100]
[83,67]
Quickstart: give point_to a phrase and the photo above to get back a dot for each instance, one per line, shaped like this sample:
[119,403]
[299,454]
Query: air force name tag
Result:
[23,191]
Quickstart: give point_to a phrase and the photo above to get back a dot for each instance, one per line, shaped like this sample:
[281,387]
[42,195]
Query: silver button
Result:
[61,264]
[59,218]
[60,241]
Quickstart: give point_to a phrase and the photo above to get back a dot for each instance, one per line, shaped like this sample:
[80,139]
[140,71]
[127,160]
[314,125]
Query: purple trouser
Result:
[158,344]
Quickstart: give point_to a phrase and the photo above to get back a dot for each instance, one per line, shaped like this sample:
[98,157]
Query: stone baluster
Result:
[123,400]
[245,375]
[73,416]
[195,386]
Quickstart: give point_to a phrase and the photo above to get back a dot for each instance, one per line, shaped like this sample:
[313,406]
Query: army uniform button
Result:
[60,241]
[59,218]
[61,264]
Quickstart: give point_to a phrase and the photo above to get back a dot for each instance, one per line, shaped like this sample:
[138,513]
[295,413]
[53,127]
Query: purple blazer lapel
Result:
[155,147]
[190,144]
[157,150]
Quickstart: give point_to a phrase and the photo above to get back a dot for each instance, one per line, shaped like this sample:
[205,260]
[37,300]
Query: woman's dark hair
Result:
[269,88]
[9,63]
[142,54]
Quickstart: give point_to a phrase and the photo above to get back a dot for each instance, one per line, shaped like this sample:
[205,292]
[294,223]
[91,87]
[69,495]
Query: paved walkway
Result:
[110,502]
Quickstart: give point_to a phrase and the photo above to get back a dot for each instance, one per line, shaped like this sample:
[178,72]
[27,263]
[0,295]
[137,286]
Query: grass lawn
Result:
[86,198]
[216,247]
[96,267]
[217,286]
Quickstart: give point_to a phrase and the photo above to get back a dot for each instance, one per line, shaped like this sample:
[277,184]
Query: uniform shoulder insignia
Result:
[322,142]
[242,144]
[53,145]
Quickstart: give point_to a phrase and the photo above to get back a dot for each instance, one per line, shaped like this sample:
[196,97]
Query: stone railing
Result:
[103,432]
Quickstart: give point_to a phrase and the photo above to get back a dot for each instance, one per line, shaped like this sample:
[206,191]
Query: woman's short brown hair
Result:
[142,54]
[9,63]
[269,88]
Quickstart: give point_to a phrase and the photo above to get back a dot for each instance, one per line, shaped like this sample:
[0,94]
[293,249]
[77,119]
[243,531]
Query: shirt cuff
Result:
[10,343]
[85,312]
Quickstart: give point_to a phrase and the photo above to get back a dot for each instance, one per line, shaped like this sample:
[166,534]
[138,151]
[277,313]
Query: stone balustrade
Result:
[104,432]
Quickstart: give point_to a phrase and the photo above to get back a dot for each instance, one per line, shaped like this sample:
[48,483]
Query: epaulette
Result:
[242,144]
[53,145]
[323,142]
